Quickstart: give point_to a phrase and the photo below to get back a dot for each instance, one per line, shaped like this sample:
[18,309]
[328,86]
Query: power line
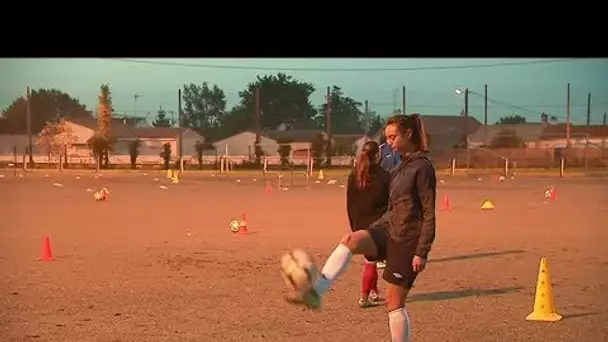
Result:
[422,68]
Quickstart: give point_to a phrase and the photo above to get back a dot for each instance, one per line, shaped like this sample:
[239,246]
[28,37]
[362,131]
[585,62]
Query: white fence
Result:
[156,160]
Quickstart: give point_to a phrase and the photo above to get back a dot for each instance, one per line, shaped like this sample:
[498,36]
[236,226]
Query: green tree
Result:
[162,120]
[346,114]
[236,121]
[376,125]
[56,138]
[284,151]
[98,145]
[199,146]
[134,146]
[166,155]
[204,108]
[511,120]
[104,119]
[283,99]
[46,105]
[318,149]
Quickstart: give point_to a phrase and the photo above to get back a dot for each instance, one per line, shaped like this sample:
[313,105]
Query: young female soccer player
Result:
[403,236]
[366,202]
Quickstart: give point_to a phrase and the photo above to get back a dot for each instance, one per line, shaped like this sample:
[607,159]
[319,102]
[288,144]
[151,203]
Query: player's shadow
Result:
[445,295]
[477,255]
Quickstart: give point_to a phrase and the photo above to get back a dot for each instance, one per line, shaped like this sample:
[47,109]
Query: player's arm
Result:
[426,184]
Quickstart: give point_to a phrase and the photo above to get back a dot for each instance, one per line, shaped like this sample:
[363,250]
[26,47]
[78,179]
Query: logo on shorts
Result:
[398,275]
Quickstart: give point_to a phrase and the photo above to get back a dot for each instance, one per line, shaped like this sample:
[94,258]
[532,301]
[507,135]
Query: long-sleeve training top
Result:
[367,205]
[412,198]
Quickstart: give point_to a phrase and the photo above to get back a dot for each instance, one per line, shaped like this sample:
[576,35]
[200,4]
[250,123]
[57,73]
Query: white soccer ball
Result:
[299,269]
[97,196]
[235,225]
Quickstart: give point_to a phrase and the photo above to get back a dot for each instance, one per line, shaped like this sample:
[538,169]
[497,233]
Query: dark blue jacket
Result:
[389,158]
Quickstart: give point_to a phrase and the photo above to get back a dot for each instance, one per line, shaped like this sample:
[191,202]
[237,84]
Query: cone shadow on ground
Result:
[445,295]
[476,255]
[582,314]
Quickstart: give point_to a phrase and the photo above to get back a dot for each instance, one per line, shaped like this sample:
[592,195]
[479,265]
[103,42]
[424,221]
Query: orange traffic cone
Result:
[447,204]
[46,254]
[268,189]
[553,195]
[243,229]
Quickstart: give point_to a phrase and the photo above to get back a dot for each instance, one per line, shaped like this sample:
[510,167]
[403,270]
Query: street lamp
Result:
[459,91]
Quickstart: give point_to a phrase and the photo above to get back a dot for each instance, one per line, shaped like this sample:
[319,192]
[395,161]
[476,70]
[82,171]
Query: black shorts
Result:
[397,254]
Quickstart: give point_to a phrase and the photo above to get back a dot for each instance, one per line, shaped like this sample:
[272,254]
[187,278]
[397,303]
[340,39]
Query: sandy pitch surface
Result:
[162,265]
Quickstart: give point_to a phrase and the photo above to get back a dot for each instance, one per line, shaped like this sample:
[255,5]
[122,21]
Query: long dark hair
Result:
[414,123]
[366,158]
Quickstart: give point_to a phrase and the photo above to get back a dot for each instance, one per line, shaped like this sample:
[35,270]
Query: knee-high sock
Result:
[399,323]
[335,265]
[375,279]
[367,280]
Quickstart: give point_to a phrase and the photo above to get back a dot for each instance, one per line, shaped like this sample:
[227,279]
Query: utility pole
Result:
[367,116]
[604,135]
[328,126]
[29,127]
[588,127]
[568,118]
[403,98]
[179,124]
[256,145]
[588,115]
[466,126]
[135,97]
[257,116]
[485,114]
[395,101]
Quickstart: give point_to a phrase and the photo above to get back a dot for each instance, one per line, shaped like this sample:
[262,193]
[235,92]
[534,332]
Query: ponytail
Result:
[362,174]
[421,137]
[365,159]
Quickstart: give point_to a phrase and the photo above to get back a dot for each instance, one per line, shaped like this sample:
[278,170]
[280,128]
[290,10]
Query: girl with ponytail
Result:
[403,236]
[366,202]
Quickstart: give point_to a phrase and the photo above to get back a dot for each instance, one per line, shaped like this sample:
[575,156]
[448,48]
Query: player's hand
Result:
[418,264]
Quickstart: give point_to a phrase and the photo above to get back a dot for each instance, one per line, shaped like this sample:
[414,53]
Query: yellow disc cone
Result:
[487,204]
[544,308]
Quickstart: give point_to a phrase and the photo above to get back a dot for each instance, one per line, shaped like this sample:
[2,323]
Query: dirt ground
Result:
[162,265]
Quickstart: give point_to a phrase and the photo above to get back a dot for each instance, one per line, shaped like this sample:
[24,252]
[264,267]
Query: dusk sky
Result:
[526,90]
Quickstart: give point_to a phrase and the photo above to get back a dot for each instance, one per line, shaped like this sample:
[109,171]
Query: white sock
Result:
[335,265]
[399,323]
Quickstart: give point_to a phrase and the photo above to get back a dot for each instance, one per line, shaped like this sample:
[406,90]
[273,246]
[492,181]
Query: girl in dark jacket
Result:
[403,236]
[366,202]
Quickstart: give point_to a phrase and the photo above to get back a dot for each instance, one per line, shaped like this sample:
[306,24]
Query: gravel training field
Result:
[152,264]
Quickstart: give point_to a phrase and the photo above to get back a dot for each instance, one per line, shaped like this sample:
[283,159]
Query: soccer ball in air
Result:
[299,269]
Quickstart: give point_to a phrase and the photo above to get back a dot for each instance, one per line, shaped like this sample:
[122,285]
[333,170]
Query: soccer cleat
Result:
[381,264]
[308,298]
[375,297]
[365,303]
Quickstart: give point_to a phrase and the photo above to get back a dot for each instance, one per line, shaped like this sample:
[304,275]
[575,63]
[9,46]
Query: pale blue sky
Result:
[535,88]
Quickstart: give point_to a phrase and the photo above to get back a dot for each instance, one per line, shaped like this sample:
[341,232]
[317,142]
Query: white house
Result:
[242,145]
[151,140]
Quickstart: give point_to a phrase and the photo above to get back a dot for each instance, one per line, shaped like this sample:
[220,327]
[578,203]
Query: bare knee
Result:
[359,242]
[395,297]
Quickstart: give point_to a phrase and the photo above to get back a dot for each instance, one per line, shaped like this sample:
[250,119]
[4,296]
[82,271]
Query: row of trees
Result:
[56,137]
[283,100]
